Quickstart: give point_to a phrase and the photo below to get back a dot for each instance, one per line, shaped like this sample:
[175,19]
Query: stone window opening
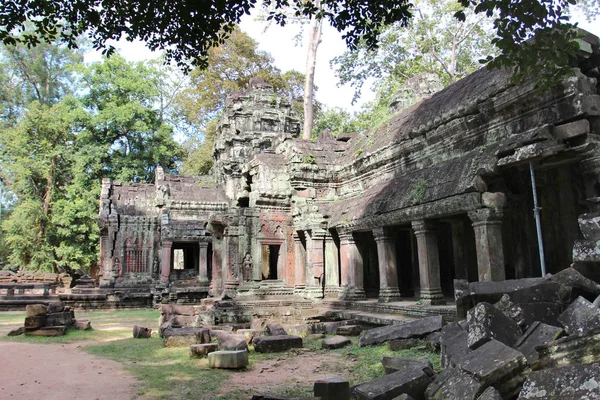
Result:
[184,257]
[134,257]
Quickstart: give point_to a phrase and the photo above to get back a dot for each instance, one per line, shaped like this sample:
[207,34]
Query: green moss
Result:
[309,159]
[358,152]
[418,191]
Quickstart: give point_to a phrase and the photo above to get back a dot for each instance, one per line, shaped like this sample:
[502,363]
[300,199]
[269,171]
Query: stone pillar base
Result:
[313,292]
[299,290]
[332,291]
[432,297]
[389,294]
[203,282]
[356,294]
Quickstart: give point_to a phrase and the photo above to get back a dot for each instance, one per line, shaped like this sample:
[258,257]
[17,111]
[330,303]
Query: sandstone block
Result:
[411,382]
[537,334]
[275,329]
[349,330]
[454,384]
[48,331]
[202,350]
[326,327]
[232,342]
[487,322]
[250,334]
[490,394]
[568,350]
[578,381]
[33,323]
[395,364]
[274,344]
[16,332]
[82,324]
[581,317]
[56,307]
[228,359]
[453,344]
[332,389]
[414,329]
[60,318]
[336,342]
[35,310]
[185,337]
[139,332]
[302,330]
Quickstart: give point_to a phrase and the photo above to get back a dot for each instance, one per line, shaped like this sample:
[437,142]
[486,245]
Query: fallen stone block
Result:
[432,342]
[578,381]
[332,389]
[487,322]
[395,364]
[139,332]
[60,318]
[202,350]
[36,322]
[178,309]
[402,344]
[35,310]
[349,330]
[414,329]
[232,342]
[56,307]
[275,329]
[410,382]
[82,324]
[185,337]
[250,334]
[48,331]
[490,394]
[336,342]
[274,344]
[568,350]
[228,359]
[580,318]
[302,330]
[17,332]
[525,314]
[453,344]
[454,384]
[326,327]
[495,364]
[581,285]
[537,334]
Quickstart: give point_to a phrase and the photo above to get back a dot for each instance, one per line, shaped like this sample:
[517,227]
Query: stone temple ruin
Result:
[442,191]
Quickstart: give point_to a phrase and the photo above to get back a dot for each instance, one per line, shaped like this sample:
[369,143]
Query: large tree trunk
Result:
[314,40]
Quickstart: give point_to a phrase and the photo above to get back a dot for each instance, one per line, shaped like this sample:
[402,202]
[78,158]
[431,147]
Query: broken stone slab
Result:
[203,349]
[302,330]
[36,322]
[60,318]
[35,310]
[580,318]
[56,307]
[139,332]
[414,329]
[274,344]
[454,384]
[568,350]
[582,286]
[250,334]
[453,344]
[395,364]
[349,330]
[228,359]
[402,344]
[232,342]
[17,331]
[486,322]
[490,394]
[410,382]
[275,329]
[336,342]
[48,331]
[578,381]
[326,327]
[82,324]
[496,364]
[185,337]
[537,334]
[332,389]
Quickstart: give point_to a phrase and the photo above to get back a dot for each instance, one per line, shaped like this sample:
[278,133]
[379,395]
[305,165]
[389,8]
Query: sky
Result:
[280,43]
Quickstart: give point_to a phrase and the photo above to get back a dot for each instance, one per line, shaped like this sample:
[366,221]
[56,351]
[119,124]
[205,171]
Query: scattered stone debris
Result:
[274,344]
[49,320]
[414,329]
[185,337]
[578,381]
[409,381]
[395,364]
[228,359]
[232,342]
[336,342]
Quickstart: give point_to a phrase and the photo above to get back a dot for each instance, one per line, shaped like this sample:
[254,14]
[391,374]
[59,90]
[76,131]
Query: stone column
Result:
[332,279]
[352,268]
[203,263]
[300,265]
[165,262]
[388,272]
[458,249]
[487,224]
[315,273]
[217,273]
[429,262]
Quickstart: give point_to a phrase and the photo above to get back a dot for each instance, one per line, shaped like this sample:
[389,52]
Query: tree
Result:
[434,41]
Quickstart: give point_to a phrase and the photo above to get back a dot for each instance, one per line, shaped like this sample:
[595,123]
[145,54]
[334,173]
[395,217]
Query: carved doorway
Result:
[270,261]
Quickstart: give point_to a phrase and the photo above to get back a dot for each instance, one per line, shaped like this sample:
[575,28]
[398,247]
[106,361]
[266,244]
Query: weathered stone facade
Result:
[441,191]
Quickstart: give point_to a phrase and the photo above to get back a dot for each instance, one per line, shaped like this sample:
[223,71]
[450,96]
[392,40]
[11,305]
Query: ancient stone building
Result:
[441,191]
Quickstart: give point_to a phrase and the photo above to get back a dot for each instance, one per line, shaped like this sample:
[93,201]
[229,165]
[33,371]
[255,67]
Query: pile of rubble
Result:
[51,320]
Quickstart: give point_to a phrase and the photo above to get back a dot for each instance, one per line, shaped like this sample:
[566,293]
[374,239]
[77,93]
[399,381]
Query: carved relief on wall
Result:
[247,267]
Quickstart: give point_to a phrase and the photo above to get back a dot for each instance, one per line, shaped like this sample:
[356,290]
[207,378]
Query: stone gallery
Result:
[445,190]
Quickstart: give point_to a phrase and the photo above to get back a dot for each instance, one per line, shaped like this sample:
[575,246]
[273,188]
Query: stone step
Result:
[369,318]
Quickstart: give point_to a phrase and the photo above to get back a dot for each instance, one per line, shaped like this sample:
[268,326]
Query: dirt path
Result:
[60,372]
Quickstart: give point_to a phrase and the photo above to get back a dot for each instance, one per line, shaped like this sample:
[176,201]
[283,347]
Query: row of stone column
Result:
[313,262]
[165,272]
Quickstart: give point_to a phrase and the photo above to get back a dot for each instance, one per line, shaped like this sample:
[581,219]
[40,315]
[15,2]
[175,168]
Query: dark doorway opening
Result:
[184,259]
[273,260]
